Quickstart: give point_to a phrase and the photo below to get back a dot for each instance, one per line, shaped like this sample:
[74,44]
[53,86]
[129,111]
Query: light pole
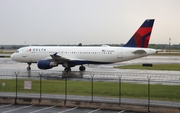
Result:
[169,44]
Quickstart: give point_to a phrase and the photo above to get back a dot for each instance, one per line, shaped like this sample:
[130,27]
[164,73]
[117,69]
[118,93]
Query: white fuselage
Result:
[48,57]
[103,54]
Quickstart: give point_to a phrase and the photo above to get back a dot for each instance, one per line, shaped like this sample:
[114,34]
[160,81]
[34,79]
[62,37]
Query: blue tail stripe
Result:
[148,23]
[131,43]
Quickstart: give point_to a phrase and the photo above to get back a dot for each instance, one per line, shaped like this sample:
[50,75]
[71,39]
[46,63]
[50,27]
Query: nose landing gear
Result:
[29,67]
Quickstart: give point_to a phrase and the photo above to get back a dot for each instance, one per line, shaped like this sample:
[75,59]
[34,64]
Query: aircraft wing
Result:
[61,59]
[139,52]
[58,58]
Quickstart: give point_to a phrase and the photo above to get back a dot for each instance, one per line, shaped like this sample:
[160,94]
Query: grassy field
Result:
[105,89]
[174,67]
[6,52]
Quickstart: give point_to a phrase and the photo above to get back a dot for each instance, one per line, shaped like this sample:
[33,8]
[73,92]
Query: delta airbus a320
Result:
[48,57]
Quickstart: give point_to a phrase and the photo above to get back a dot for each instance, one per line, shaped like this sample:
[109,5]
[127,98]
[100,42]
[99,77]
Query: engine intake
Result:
[46,64]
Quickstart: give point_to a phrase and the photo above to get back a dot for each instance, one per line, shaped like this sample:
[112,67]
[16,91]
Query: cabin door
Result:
[119,53]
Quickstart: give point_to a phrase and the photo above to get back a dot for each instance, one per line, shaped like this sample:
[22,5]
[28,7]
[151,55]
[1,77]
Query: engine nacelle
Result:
[46,64]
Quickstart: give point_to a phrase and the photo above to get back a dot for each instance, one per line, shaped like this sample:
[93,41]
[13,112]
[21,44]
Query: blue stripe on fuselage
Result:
[80,62]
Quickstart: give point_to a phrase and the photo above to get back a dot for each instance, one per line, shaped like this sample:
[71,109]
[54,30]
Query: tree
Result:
[79,44]
[2,47]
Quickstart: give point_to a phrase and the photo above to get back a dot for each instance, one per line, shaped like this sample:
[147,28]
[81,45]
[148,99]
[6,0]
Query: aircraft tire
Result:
[82,68]
[28,68]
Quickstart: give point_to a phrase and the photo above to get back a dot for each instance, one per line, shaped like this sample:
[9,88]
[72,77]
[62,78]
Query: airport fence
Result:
[89,86]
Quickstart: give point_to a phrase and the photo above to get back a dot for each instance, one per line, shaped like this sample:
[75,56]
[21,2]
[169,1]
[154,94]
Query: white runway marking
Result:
[68,110]
[16,109]
[94,110]
[42,109]
[121,111]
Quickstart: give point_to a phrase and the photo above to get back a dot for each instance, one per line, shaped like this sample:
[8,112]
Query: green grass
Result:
[1,52]
[174,67]
[105,89]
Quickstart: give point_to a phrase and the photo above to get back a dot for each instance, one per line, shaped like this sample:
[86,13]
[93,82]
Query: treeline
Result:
[155,46]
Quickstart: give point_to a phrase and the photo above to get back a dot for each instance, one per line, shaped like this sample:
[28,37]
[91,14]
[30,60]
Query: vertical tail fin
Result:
[142,35]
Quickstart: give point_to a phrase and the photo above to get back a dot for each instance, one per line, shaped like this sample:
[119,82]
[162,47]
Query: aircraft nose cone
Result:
[12,57]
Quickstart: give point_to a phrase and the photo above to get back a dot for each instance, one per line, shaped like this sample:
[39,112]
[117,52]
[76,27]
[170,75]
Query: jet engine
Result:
[46,64]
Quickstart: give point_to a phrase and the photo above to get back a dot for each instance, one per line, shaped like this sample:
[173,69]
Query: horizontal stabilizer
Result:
[139,52]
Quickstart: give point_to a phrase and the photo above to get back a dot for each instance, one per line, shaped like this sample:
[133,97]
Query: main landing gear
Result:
[81,68]
[67,69]
[29,67]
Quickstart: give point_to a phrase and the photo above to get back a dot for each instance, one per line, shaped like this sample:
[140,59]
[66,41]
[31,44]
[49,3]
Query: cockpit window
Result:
[17,51]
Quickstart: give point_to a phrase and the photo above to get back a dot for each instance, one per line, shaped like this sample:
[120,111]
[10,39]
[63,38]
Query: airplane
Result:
[48,57]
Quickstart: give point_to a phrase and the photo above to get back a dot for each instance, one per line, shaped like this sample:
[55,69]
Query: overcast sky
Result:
[86,21]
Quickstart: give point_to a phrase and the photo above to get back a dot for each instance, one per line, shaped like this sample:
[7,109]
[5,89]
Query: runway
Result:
[100,72]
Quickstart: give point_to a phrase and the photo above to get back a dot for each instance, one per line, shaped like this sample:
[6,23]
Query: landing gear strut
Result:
[82,68]
[67,69]
[29,67]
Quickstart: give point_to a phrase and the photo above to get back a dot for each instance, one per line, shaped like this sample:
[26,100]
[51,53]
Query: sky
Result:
[86,21]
